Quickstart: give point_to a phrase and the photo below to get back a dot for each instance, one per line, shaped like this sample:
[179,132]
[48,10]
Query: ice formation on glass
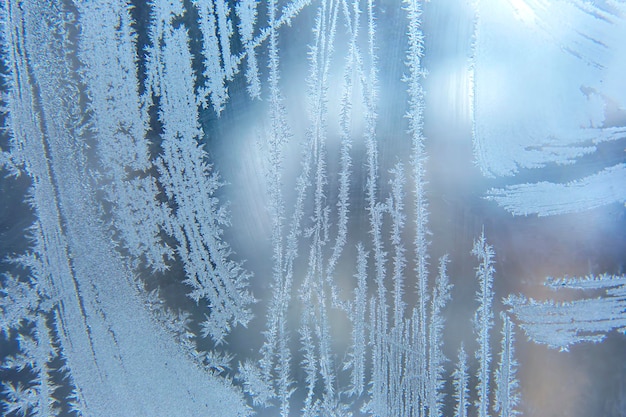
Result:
[111,110]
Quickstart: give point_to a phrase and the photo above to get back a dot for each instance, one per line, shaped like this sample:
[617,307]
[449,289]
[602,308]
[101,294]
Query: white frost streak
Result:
[436,358]
[247,13]
[188,180]
[107,51]
[418,161]
[546,199]
[529,116]
[111,345]
[214,73]
[315,289]
[357,317]
[483,321]
[507,395]
[461,384]
[562,324]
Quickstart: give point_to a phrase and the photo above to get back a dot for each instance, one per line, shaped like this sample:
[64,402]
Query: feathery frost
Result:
[483,321]
[562,324]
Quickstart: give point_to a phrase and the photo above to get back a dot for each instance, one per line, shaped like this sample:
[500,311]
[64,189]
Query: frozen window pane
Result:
[312,208]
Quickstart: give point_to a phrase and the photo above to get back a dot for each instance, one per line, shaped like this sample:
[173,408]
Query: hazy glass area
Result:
[313,207]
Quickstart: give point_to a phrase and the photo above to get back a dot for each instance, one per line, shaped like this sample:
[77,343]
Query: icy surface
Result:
[313,207]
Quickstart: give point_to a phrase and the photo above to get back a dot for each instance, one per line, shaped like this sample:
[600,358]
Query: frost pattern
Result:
[484,319]
[560,113]
[84,296]
[562,324]
[190,183]
[507,394]
[247,13]
[546,198]
[107,52]
[121,178]
[461,384]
